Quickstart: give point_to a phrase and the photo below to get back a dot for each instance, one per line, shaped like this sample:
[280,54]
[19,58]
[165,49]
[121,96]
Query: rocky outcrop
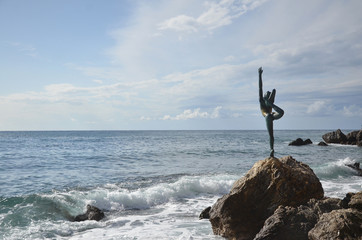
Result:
[335,137]
[352,138]
[300,142]
[270,183]
[338,224]
[93,213]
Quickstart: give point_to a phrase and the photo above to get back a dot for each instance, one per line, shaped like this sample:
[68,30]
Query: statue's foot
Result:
[272,153]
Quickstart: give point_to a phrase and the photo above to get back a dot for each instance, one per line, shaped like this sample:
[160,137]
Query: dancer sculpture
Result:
[266,106]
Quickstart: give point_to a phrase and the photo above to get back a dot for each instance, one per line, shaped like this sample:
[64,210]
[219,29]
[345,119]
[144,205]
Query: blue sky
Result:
[181,64]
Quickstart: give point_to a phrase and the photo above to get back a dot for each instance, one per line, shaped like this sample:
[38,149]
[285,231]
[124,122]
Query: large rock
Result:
[335,137]
[359,138]
[338,224]
[268,184]
[288,223]
[352,137]
[295,222]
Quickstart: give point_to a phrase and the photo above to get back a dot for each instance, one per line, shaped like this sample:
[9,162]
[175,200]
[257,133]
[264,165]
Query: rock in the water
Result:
[335,137]
[288,223]
[356,166]
[205,214]
[300,142]
[338,224]
[359,138]
[253,198]
[93,213]
[352,137]
[322,144]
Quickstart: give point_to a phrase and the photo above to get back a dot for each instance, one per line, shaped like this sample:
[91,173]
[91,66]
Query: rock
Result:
[288,223]
[359,138]
[356,201]
[356,166]
[93,213]
[352,137]
[269,183]
[322,144]
[335,137]
[325,205]
[297,142]
[300,142]
[205,214]
[338,224]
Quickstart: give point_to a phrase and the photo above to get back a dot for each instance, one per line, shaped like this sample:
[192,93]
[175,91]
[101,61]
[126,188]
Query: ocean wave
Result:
[336,169]
[114,198]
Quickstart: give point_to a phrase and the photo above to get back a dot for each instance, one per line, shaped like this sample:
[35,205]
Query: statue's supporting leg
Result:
[269,124]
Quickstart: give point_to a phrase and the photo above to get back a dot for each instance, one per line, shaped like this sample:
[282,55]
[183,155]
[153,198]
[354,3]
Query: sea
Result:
[150,184]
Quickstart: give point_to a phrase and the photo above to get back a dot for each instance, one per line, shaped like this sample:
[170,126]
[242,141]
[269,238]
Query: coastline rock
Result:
[322,144]
[356,166]
[352,137]
[93,213]
[300,142]
[359,138]
[288,223]
[205,214]
[338,224]
[356,201]
[335,137]
[267,185]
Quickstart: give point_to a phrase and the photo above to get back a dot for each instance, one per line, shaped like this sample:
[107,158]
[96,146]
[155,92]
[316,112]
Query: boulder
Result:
[352,137]
[335,137]
[338,224]
[322,144]
[356,201]
[270,183]
[93,213]
[288,223]
[300,142]
[359,138]
[205,214]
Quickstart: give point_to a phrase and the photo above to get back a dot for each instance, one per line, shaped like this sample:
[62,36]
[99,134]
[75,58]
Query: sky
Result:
[179,65]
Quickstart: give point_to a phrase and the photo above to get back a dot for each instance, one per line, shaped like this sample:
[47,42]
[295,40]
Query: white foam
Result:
[117,198]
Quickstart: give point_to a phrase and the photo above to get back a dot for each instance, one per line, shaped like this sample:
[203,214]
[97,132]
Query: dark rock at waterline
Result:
[322,144]
[205,214]
[267,185]
[300,142]
[356,166]
[93,213]
[335,137]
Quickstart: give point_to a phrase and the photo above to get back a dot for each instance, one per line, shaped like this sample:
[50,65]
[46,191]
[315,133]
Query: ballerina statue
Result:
[266,106]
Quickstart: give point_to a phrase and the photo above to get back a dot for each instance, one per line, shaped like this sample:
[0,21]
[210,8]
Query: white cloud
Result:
[192,114]
[316,107]
[352,111]
[216,15]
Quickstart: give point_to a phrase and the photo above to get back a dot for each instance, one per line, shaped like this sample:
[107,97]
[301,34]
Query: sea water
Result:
[150,184]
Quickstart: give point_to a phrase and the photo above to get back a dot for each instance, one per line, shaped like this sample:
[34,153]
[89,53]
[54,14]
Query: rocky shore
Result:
[284,199]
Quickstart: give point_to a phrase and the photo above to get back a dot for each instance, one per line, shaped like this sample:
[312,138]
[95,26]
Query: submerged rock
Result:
[322,144]
[356,166]
[268,184]
[93,213]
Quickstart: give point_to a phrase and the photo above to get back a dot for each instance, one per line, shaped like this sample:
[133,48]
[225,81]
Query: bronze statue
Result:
[266,106]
